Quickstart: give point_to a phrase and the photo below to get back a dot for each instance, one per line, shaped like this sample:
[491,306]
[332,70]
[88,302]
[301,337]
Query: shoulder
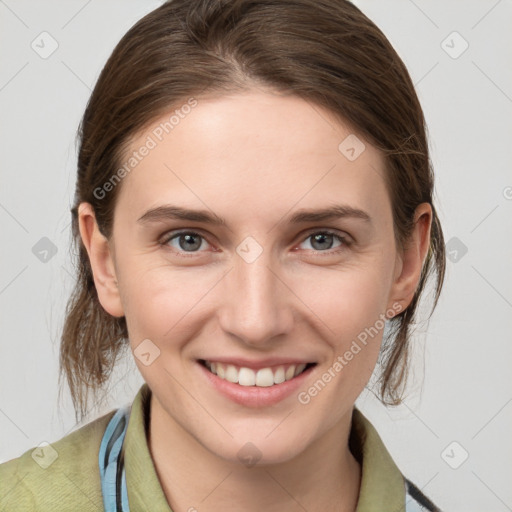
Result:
[382,481]
[63,475]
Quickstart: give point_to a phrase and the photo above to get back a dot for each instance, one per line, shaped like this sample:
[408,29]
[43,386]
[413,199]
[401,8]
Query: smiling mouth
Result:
[264,377]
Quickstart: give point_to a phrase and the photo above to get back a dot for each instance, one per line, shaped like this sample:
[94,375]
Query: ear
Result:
[101,260]
[409,262]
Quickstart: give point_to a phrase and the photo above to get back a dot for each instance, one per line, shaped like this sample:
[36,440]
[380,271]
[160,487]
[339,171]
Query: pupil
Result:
[322,238]
[190,242]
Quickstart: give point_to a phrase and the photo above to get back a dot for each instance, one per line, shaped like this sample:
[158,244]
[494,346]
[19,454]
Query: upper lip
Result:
[260,363]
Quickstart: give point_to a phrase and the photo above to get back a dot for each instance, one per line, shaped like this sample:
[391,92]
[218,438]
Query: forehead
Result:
[250,152]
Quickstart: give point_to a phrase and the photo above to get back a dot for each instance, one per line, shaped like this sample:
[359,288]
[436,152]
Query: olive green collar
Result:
[143,486]
[382,483]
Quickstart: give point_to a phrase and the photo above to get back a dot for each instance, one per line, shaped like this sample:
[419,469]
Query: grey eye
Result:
[188,242]
[323,241]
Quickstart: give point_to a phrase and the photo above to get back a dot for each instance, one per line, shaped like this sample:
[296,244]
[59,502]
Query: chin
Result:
[259,449]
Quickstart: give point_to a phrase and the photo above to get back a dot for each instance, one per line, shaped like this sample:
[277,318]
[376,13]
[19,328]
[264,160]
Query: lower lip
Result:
[254,396]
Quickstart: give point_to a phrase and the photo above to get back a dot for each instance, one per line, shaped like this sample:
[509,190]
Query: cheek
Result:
[163,302]
[160,301]
[348,300]
[349,308]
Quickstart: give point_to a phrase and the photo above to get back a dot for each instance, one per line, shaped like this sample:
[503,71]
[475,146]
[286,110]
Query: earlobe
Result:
[410,262]
[101,260]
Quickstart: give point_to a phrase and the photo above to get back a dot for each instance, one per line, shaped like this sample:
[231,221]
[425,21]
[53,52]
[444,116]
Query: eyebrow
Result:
[166,212]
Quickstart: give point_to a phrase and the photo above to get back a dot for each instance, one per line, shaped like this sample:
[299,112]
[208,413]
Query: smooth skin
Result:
[254,159]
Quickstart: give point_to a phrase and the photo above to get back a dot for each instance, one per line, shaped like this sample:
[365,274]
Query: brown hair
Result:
[325,51]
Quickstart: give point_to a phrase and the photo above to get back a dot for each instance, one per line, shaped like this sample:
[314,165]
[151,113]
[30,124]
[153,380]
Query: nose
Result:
[256,303]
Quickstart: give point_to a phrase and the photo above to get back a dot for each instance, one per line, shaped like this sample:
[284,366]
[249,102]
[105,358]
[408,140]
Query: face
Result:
[261,279]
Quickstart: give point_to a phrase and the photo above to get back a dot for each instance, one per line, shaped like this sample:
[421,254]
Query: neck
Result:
[325,477]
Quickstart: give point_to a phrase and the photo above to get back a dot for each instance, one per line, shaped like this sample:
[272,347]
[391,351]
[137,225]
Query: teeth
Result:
[299,369]
[264,377]
[246,376]
[231,373]
[279,375]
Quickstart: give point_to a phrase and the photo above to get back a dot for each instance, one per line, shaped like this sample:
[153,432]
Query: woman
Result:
[224,143]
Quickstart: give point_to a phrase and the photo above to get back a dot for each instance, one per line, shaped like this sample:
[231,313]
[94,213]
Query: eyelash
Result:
[174,234]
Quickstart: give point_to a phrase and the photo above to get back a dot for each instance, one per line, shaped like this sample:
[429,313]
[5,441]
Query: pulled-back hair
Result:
[326,52]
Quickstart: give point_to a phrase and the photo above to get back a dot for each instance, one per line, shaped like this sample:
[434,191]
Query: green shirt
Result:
[65,476]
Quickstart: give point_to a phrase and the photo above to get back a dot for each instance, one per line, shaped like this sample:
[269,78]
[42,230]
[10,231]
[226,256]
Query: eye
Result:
[185,241]
[322,241]
[193,242]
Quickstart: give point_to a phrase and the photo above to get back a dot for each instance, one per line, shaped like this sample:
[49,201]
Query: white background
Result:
[461,388]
